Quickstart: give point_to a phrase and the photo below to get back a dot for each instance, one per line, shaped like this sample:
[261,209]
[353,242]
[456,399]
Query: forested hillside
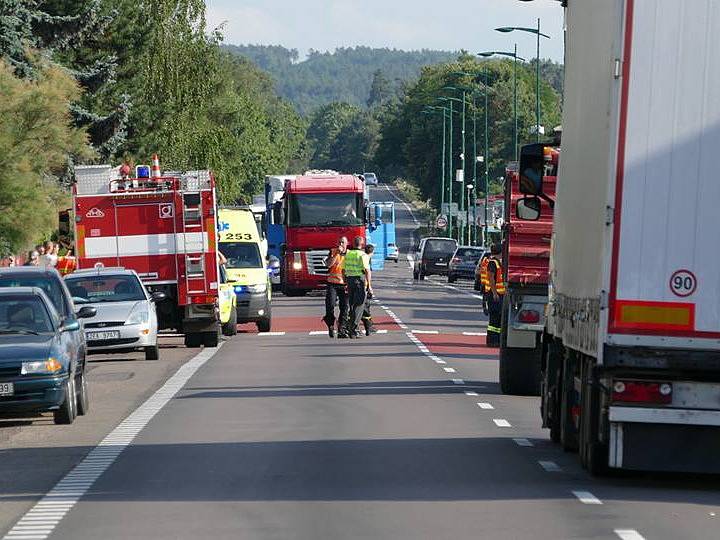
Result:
[343,75]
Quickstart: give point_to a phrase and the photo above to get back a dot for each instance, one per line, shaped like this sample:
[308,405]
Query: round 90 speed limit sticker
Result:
[683,283]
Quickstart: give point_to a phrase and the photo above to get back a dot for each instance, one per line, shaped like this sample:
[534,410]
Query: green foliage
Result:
[36,138]
[344,75]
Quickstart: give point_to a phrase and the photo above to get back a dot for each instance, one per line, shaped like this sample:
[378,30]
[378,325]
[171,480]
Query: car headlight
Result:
[51,365]
[138,316]
[259,288]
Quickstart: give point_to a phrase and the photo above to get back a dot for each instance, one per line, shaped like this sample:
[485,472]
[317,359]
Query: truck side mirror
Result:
[378,215]
[532,168]
[528,208]
[278,213]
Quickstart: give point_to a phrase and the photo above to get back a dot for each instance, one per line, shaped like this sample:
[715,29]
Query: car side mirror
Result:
[528,208]
[273,262]
[532,168]
[71,326]
[86,312]
[158,296]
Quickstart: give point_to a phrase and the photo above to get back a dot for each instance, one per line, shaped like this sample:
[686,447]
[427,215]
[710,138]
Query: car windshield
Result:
[24,314]
[50,286]
[100,288]
[370,176]
[440,247]
[241,255]
[325,210]
[469,254]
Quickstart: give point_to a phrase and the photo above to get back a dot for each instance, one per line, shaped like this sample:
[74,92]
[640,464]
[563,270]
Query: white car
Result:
[126,318]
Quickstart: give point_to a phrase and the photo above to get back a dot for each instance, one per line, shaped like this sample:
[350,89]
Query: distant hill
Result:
[343,75]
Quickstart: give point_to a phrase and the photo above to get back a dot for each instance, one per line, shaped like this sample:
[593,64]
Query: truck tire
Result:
[193,340]
[294,292]
[211,339]
[593,452]
[519,368]
[230,328]
[568,432]
[550,387]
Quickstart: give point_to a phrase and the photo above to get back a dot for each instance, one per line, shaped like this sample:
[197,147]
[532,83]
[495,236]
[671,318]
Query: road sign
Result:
[459,175]
[441,222]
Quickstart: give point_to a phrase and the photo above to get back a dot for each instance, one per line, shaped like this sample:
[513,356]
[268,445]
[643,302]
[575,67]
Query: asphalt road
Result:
[292,435]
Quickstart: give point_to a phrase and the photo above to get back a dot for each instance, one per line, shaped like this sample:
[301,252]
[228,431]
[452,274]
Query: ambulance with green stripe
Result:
[246,268]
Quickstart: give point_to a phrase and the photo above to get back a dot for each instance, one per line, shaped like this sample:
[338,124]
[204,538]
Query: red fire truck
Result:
[526,261]
[161,226]
[318,208]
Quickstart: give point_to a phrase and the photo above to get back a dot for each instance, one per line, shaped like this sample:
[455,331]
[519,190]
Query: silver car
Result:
[126,318]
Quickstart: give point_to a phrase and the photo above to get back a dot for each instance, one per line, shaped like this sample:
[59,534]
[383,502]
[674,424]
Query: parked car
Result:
[464,263]
[432,256]
[371,179]
[42,363]
[478,282]
[393,253]
[126,318]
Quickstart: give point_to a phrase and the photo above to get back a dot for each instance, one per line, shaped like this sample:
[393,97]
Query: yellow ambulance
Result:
[246,266]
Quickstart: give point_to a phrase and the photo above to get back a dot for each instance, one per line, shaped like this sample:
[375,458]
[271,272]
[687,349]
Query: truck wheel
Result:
[230,327]
[593,452]
[211,339]
[519,368]
[67,411]
[152,353]
[294,292]
[193,340]
[568,432]
[550,388]
[82,394]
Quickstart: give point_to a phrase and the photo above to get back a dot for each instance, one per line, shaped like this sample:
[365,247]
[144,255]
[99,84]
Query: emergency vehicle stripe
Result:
[145,244]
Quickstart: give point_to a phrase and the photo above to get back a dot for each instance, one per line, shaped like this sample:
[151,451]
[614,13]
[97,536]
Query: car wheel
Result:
[82,394]
[451,278]
[230,328]
[264,325]
[66,413]
[211,339]
[193,340]
[152,353]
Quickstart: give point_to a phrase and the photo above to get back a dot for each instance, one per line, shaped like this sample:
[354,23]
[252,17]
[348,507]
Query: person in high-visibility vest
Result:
[335,291]
[494,293]
[356,268]
[66,264]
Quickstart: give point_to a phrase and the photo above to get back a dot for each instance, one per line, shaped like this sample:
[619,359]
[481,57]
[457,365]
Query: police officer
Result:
[335,291]
[357,276]
[494,293]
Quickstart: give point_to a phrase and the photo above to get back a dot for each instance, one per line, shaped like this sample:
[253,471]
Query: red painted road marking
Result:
[449,344]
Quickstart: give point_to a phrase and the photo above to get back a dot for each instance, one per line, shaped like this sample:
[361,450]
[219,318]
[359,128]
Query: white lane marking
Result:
[478,296]
[523,442]
[586,497]
[487,406]
[458,381]
[381,332]
[318,333]
[550,466]
[440,362]
[471,394]
[64,495]
[424,331]
[628,534]
[501,422]
[449,370]
[271,334]
[474,333]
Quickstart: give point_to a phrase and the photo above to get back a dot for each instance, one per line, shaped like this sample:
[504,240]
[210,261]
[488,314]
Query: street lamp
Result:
[434,110]
[515,58]
[462,154]
[451,162]
[536,31]
[470,188]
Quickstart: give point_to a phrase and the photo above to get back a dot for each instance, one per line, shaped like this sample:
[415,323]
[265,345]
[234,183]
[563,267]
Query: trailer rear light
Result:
[529,316]
[642,392]
[209,299]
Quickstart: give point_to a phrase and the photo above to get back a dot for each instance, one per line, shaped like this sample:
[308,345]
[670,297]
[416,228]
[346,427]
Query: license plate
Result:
[7,389]
[107,334]
[440,264]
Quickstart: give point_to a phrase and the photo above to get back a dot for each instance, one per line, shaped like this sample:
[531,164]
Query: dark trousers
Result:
[335,293]
[356,289]
[495,320]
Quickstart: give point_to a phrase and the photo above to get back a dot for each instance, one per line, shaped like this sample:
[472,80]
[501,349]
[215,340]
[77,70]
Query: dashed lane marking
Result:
[271,334]
[487,406]
[40,521]
[449,370]
[628,534]
[586,497]
[425,331]
[318,333]
[474,333]
[501,422]
[471,394]
[523,442]
[550,466]
[381,332]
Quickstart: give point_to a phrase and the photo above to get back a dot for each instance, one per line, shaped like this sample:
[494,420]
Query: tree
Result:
[325,126]
[36,138]
[380,90]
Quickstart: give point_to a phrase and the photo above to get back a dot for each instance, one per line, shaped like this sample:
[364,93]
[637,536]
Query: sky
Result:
[402,24]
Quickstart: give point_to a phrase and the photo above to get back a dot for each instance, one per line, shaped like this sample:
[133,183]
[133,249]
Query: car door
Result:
[75,338]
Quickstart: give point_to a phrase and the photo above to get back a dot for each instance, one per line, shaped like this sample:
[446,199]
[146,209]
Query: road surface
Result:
[292,435]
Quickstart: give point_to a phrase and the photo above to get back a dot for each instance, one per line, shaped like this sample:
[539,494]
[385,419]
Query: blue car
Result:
[41,366]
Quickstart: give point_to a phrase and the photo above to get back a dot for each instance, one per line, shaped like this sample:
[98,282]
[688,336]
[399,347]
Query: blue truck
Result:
[381,232]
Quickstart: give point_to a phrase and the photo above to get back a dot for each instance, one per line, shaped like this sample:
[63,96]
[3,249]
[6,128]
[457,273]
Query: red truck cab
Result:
[319,208]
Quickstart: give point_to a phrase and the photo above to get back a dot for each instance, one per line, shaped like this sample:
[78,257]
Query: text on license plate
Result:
[107,334]
[7,389]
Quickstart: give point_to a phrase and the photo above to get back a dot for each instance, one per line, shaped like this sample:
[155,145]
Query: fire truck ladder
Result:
[194,242]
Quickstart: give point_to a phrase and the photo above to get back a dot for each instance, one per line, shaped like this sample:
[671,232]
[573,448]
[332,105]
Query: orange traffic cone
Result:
[155,171]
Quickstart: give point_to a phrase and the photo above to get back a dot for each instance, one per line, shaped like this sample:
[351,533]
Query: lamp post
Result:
[450,164]
[469,188]
[536,31]
[515,58]
[444,111]
[461,228]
